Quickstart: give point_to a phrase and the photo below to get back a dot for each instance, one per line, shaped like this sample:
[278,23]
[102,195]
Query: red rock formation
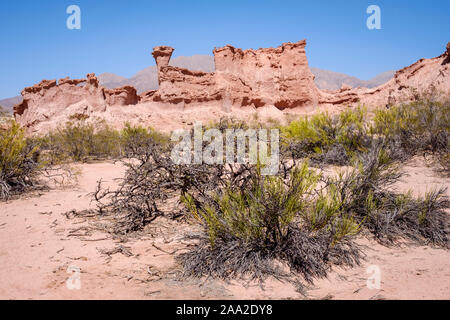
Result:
[277,77]
[50,97]
[178,85]
[123,96]
[162,57]
[424,77]
[274,76]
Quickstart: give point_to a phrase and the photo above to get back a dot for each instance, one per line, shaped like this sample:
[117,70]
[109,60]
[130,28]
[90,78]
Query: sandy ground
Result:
[40,245]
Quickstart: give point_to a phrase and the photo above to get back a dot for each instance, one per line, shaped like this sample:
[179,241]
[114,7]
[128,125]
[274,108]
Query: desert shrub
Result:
[151,179]
[257,226]
[254,225]
[326,139]
[19,162]
[249,230]
[136,138]
[81,141]
[365,192]
[261,213]
[419,127]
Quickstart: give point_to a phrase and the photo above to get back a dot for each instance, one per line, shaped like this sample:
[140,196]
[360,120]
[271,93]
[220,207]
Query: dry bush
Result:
[326,139]
[19,162]
[82,141]
[365,192]
[151,178]
[422,127]
[249,230]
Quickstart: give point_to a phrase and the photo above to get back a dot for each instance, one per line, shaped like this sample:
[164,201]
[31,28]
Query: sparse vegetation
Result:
[81,141]
[328,139]
[298,222]
[23,159]
[365,192]
[249,228]
[19,162]
[422,127]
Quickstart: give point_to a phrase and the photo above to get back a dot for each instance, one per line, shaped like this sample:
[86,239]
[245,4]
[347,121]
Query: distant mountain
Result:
[147,79]
[380,79]
[113,80]
[9,103]
[331,80]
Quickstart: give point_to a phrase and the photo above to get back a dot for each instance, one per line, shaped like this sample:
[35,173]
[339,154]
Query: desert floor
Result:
[39,242]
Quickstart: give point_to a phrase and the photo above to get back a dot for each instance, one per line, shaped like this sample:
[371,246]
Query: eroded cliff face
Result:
[277,78]
[273,76]
[74,97]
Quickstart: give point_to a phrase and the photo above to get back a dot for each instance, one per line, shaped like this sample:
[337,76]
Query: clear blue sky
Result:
[118,35]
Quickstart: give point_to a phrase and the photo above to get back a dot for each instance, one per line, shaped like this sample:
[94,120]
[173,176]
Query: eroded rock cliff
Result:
[277,78]
[73,97]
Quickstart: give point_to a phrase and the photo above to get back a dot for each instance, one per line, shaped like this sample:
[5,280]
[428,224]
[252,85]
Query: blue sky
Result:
[118,35]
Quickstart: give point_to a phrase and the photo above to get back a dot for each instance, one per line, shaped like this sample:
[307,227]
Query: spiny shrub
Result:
[19,161]
[150,180]
[134,139]
[419,127]
[81,141]
[247,231]
[328,139]
[365,192]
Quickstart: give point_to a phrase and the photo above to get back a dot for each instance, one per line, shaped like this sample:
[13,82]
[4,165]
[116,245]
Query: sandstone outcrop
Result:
[271,76]
[50,97]
[123,96]
[162,57]
[274,78]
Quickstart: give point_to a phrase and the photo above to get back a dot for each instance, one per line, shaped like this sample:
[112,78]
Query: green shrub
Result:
[327,139]
[261,213]
[365,193]
[249,229]
[81,141]
[19,161]
[419,127]
[134,139]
